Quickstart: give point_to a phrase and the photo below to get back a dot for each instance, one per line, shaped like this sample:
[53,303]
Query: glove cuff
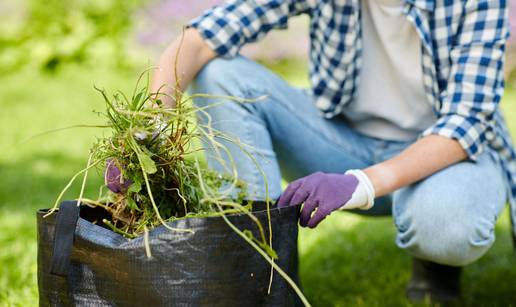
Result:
[366,183]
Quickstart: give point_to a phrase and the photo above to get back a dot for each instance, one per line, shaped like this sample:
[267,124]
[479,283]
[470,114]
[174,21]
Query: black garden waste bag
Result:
[88,265]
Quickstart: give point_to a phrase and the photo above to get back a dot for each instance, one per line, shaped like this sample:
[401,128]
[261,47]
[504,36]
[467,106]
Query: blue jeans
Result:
[448,218]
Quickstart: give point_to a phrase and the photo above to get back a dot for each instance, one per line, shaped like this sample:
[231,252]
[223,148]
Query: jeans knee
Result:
[212,82]
[221,74]
[211,72]
[449,240]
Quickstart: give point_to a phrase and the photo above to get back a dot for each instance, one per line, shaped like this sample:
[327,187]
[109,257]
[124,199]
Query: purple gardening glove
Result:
[324,193]
[113,178]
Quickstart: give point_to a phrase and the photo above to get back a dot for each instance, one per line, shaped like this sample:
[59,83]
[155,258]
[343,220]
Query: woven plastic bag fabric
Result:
[83,264]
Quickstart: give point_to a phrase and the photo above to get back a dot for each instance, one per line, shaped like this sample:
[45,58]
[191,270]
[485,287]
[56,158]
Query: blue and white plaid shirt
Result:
[463,50]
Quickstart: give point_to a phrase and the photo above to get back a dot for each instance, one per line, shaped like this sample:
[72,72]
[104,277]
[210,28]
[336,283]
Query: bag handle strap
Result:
[63,237]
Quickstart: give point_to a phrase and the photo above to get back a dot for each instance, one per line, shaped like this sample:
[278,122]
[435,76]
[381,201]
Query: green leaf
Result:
[135,187]
[132,204]
[136,101]
[271,252]
[268,250]
[248,234]
[149,166]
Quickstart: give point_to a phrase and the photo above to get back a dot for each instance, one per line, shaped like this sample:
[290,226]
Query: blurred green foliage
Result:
[52,32]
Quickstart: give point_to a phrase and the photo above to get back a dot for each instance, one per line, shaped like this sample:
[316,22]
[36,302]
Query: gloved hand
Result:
[325,193]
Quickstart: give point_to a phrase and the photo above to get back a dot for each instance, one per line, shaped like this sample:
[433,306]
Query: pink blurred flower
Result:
[159,23]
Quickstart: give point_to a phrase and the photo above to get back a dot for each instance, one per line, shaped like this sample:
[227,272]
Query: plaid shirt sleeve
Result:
[227,27]
[475,84]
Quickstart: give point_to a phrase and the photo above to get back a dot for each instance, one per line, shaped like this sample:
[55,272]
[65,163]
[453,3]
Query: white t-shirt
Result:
[390,101]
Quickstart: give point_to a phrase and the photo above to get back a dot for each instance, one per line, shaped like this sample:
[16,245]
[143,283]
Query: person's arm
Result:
[192,53]
[421,159]
[323,193]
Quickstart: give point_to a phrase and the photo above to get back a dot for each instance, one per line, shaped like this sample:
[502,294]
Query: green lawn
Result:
[340,266]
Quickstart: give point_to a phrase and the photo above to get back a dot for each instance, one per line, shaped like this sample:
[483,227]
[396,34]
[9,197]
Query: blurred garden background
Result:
[53,52]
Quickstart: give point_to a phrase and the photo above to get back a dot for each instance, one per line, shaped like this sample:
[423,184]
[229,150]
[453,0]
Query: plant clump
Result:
[153,169]
[154,172]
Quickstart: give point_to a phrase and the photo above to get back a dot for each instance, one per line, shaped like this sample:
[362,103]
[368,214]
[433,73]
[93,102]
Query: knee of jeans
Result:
[211,72]
[444,236]
[222,72]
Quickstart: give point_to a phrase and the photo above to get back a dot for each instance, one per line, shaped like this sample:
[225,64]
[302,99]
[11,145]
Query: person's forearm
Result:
[421,159]
[192,54]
